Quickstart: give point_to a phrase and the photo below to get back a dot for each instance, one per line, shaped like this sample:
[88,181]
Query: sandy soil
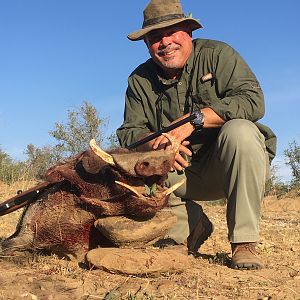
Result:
[207,277]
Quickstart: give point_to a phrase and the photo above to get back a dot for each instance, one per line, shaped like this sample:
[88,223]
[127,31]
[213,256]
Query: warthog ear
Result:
[92,163]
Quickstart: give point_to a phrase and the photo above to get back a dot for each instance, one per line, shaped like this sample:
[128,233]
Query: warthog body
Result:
[86,188]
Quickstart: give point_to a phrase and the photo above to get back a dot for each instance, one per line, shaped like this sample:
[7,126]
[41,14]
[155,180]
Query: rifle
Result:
[23,198]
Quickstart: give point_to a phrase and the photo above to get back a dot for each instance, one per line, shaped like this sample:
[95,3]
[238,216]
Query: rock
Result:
[125,232]
[138,261]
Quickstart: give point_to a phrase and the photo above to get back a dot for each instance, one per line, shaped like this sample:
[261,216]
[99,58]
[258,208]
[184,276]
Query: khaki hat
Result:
[160,14]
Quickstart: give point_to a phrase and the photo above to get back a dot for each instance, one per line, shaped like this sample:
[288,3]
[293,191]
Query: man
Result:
[223,152]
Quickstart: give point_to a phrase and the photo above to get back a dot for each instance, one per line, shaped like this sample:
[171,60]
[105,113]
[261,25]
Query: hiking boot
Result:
[199,235]
[244,256]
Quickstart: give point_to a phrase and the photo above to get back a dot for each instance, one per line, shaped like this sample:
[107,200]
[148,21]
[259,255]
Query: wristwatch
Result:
[198,122]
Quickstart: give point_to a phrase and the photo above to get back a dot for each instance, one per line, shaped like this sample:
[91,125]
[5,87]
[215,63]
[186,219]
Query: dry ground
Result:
[46,277]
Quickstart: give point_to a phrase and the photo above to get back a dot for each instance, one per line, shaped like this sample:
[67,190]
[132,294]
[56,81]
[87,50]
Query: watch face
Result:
[199,120]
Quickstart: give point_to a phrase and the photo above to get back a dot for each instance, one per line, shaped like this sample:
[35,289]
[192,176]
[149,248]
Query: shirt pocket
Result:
[204,95]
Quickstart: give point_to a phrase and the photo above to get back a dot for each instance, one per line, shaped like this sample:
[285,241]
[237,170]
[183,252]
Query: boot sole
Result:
[246,266]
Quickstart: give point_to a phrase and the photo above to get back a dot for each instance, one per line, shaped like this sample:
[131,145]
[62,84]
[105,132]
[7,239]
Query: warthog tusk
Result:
[174,187]
[165,193]
[129,187]
[102,154]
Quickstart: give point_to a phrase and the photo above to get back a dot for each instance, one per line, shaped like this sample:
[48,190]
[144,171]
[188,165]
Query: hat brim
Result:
[139,35]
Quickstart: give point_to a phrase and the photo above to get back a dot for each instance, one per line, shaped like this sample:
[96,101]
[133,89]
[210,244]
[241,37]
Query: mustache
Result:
[166,50]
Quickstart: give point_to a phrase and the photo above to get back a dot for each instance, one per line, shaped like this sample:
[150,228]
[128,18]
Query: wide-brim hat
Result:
[162,13]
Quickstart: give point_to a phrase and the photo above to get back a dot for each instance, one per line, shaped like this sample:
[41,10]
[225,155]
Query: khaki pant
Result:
[235,167]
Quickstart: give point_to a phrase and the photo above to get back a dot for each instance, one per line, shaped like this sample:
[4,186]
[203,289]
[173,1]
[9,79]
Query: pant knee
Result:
[242,136]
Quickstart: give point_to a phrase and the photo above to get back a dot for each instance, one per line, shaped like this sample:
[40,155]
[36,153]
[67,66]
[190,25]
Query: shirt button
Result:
[179,83]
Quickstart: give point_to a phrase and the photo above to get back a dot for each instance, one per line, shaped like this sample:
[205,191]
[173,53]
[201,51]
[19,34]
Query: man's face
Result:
[170,47]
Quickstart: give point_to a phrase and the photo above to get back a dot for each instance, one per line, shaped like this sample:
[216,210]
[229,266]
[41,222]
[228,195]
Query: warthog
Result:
[86,187]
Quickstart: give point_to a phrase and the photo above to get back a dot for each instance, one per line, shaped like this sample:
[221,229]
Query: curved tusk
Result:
[129,187]
[102,154]
[174,143]
[174,187]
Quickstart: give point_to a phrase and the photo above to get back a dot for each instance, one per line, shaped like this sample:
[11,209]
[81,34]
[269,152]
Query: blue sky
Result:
[55,54]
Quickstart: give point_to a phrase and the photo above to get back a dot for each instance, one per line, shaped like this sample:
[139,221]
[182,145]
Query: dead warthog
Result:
[89,186]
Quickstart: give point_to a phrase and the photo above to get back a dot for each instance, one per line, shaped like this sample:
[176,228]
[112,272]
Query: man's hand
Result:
[180,161]
[179,134]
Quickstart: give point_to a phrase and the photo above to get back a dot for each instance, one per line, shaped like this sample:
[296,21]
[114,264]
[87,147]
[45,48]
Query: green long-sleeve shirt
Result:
[233,92]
